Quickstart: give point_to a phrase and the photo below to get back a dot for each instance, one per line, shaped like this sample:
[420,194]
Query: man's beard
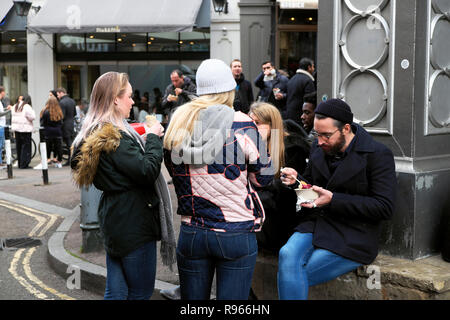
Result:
[337,147]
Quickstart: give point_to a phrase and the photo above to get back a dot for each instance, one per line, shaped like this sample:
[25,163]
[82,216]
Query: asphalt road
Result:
[24,272]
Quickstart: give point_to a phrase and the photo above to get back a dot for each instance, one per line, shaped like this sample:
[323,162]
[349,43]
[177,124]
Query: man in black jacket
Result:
[354,177]
[273,87]
[244,92]
[68,107]
[299,85]
[181,91]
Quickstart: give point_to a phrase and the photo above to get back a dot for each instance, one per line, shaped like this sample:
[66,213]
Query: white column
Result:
[41,74]
[226,33]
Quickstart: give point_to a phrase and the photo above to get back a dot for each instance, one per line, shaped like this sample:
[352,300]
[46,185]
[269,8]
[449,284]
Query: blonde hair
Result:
[268,114]
[102,109]
[182,123]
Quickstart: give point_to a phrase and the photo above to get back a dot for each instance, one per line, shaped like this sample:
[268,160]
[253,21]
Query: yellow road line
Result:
[22,281]
[17,207]
[41,220]
[53,217]
[32,277]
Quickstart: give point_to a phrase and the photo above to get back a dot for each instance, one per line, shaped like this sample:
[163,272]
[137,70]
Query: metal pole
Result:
[43,149]
[9,166]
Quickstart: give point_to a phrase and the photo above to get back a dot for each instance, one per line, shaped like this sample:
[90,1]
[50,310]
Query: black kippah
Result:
[336,109]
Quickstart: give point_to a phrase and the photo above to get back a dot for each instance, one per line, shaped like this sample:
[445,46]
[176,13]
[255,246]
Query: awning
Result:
[5,6]
[91,16]
[299,4]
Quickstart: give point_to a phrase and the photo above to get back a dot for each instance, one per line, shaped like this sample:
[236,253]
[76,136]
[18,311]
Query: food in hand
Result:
[304,185]
[150,120]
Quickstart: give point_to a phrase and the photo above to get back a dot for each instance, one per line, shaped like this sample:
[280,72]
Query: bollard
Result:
[92,240]
[43,149]
[9,165]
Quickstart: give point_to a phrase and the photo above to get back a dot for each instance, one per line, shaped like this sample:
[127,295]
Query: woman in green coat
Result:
[108,154]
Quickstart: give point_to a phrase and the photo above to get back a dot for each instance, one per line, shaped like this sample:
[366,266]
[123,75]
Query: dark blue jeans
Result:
[301,265]
[201,252]
[133,276]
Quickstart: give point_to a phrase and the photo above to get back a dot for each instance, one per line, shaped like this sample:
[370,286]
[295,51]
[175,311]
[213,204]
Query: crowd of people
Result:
[236,165]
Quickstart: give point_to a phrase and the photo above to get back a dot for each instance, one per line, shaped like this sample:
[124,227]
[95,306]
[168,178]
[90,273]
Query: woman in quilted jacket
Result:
[109,154]
[215,157]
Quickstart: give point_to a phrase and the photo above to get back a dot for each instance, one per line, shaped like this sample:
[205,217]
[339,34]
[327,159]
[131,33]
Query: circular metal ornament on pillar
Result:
[440,42]
[441,6]
[364,7]
[365,91]
[362,46]
[439,105]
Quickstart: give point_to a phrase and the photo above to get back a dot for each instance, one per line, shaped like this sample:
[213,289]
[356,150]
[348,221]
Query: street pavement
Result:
[51,213]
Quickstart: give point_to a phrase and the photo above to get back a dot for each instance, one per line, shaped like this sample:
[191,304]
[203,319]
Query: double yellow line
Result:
[23,256]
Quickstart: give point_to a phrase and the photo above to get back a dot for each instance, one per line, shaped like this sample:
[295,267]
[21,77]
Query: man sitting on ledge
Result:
[354,176]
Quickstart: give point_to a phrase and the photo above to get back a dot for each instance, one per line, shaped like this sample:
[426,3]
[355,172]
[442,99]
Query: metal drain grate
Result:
[16,243]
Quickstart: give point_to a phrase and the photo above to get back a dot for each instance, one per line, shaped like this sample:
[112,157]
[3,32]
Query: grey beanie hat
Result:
[214,76]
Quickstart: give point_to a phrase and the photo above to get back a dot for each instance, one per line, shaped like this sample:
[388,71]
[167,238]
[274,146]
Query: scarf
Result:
[305,73]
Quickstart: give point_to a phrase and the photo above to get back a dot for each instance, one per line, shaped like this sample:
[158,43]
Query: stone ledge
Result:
[401,279]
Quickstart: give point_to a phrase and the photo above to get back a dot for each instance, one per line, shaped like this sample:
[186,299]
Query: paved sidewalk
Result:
[62,197]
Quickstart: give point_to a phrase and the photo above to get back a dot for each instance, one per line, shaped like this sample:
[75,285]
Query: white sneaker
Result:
[58,165]
[38,167]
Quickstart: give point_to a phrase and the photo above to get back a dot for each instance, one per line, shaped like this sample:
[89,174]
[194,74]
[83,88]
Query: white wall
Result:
[226,33]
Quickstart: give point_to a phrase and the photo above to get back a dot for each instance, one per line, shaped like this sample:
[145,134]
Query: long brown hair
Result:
[54,109]
[268,114]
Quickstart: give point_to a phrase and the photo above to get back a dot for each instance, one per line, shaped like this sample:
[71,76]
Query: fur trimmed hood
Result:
[87,154]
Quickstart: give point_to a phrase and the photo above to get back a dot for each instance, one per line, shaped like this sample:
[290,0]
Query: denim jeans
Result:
[301,265]
[132,277]
[201,252]
[2,142]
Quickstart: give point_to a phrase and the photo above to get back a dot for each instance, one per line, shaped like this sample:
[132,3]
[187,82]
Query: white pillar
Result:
[41,70]
[41,73]
[226,33]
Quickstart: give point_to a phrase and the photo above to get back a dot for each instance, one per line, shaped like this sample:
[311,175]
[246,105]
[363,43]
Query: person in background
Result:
[309,106]
[273,87]
[2,125]
[244,92]
[68,107]
[211,153]
[51,119]
[299,85]
[109,153]
[354,177]
[22,116]
[180,91]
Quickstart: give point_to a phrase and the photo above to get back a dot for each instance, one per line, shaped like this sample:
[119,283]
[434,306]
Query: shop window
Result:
[194,41]
[131,42]
[164,42]
[13,42]
[100,42]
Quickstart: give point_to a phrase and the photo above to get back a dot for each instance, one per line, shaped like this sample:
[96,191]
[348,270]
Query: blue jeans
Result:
[232,256]
[2,142]
[301,265]
[132,277]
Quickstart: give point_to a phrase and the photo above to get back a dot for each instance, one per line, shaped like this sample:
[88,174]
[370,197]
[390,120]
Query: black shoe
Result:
[66,164]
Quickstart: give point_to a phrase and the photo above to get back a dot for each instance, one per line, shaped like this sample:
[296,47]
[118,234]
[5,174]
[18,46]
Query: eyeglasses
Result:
[325,136]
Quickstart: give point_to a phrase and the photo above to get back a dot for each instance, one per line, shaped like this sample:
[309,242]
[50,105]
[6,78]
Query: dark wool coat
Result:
[189,91]
[244,95]
[68,107]
[116,164]
[363,187]
[266,90]
[297,87]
